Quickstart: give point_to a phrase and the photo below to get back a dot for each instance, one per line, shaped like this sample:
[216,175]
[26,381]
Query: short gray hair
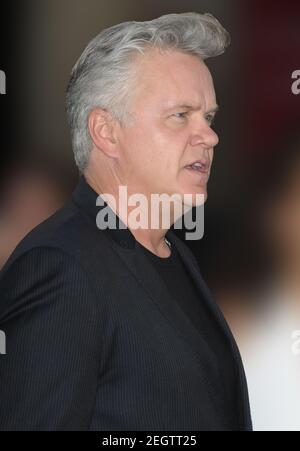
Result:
[103,77]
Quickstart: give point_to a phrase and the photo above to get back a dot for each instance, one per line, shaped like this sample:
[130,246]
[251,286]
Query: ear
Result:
[102,130]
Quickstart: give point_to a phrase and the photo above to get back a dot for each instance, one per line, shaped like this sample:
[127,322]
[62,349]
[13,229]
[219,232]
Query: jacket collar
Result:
[85,198]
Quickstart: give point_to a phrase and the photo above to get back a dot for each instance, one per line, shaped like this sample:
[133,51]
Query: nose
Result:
[204,135]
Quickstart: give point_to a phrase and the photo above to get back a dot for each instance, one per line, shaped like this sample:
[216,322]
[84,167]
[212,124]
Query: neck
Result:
[151,238]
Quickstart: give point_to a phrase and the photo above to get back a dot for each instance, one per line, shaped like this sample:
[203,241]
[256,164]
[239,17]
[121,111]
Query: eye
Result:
[210,118]
[181,115]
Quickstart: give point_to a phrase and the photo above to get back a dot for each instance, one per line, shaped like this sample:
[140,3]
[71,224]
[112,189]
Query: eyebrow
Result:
[192,108]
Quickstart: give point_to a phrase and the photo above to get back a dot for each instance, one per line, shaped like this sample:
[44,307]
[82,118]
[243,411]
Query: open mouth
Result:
[198,167]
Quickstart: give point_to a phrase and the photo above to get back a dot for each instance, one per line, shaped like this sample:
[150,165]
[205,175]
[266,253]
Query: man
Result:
[114,328]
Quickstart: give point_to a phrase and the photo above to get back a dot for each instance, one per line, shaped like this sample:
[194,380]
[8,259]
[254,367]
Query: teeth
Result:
[196,166]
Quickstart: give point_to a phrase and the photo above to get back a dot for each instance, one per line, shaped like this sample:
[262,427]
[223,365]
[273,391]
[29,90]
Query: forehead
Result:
[172,76]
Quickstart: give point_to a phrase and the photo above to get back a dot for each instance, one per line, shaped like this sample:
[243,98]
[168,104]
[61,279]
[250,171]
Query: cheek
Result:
[170,147]
[154,147]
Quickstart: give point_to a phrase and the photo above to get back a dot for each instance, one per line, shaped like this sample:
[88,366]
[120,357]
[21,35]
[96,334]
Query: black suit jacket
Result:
[94,339]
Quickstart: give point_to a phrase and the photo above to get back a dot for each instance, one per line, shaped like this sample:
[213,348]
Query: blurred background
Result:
[250,253]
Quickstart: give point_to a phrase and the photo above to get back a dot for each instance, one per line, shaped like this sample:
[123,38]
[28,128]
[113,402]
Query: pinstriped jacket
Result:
[95,340]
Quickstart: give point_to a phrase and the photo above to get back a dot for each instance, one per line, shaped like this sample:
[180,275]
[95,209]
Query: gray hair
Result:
[103,77]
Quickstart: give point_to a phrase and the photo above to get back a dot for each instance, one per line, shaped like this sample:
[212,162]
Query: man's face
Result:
[167,135]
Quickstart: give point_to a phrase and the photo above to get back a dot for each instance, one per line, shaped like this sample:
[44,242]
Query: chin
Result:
[195,198]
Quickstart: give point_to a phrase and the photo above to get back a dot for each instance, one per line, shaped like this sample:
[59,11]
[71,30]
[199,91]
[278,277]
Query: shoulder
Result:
[51,265]
[44,277]
[68,231]
[69,234]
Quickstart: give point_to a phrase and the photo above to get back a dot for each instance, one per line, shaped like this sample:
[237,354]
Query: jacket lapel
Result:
[142,269]
[194,270]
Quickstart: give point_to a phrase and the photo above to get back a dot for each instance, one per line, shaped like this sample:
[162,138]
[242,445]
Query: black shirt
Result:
[182,288]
